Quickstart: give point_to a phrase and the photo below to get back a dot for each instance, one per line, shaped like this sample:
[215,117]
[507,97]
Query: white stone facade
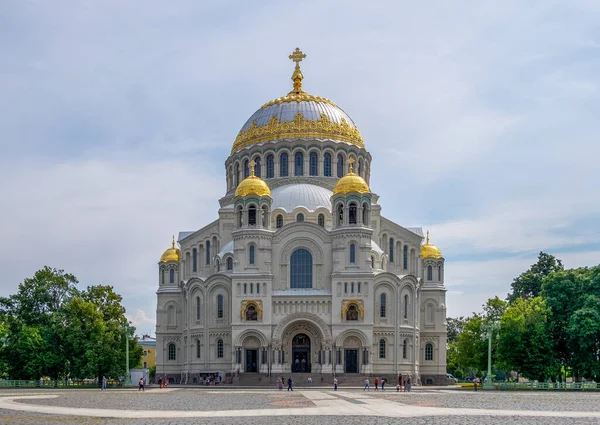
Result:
[378,310]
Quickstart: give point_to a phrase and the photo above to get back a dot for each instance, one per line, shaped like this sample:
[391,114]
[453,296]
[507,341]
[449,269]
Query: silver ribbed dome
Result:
[309,196]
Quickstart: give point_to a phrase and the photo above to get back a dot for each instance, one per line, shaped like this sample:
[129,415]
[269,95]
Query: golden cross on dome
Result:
[427,241]
[173,243]
[252,164]
[350,162]
[297,56]
[297,76]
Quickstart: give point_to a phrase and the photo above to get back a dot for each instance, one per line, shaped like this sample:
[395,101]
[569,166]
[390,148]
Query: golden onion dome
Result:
[253,185]
[171,254]
[350,183]
[430,251]
[298,115]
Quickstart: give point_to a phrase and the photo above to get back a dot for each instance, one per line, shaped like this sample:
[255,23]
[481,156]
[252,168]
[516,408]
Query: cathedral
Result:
[301,272]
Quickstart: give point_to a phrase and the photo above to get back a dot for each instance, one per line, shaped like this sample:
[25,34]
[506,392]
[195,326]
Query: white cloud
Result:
[143,323]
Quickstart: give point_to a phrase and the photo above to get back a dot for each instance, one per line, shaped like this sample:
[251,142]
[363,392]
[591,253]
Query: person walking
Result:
[366,388]
[104,380]
[407,384]
[290,382]
[376,383]
[335,383]
[309,382]
[279,384]
[475,383]
[382,384]
[141,385]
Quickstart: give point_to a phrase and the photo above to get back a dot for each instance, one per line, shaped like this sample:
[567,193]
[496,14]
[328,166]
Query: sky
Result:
[116,118]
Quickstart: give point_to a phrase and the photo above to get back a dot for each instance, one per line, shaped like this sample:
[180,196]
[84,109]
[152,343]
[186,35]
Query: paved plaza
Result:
[302,407]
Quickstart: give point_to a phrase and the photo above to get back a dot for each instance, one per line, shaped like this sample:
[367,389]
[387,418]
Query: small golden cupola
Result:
[430,251]
[253,185]
[171,254]
[351,182]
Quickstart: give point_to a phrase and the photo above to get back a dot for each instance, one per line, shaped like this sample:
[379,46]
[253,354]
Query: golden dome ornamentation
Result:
[430,251]
[253,185]
[171,254]
[298,115]
[351,183]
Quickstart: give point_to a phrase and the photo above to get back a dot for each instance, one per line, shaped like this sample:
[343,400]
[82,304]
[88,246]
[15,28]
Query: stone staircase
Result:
[300,380]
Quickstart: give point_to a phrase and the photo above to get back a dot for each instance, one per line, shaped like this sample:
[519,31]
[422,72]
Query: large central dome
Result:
[298,115]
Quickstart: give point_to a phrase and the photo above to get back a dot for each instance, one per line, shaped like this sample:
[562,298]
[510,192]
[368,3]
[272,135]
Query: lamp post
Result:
[489,329]
[126,330]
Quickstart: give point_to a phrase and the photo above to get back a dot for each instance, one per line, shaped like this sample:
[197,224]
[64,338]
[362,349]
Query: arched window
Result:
[251,255]
[352,253]
[440,273]
[258,288]
[352,287]
[358,287]
[406,306]
[298,164]
[360,167]
[382,305]
[429,351]
[391,251]
[270,166]
[252,215]
[245,288]
[252,288]
[340,215]
[240,216]
[229,263]
[340,166]
[283,165]
[172,351]
[352,213]
[300,218]
[251,313]
[220,348]
[172,276]
[405,349]
[194,260]
[279,222]
[237,174]
[246,169]
[219,306]
[405,257]
[327,164]
[352,312]
[198,348]
[207,253]
[197,308]
[382,348]
[313,166]
[257,168]
[372,262]
[365,214]
[429,273]
[321,220]
[301,269]
[218,264]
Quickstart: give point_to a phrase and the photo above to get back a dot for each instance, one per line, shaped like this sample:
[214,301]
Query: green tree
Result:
[471,347]
[524,343]
[529,283]
[572,297]
[454,327]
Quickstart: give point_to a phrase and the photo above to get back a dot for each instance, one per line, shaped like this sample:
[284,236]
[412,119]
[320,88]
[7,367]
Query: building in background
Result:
[301,272]
[149,355]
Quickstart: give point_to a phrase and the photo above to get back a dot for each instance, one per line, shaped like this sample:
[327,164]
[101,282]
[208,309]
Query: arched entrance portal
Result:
[301,353]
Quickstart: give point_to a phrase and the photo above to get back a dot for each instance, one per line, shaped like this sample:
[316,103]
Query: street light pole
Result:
[489,329]
[488,378]
[127,374]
